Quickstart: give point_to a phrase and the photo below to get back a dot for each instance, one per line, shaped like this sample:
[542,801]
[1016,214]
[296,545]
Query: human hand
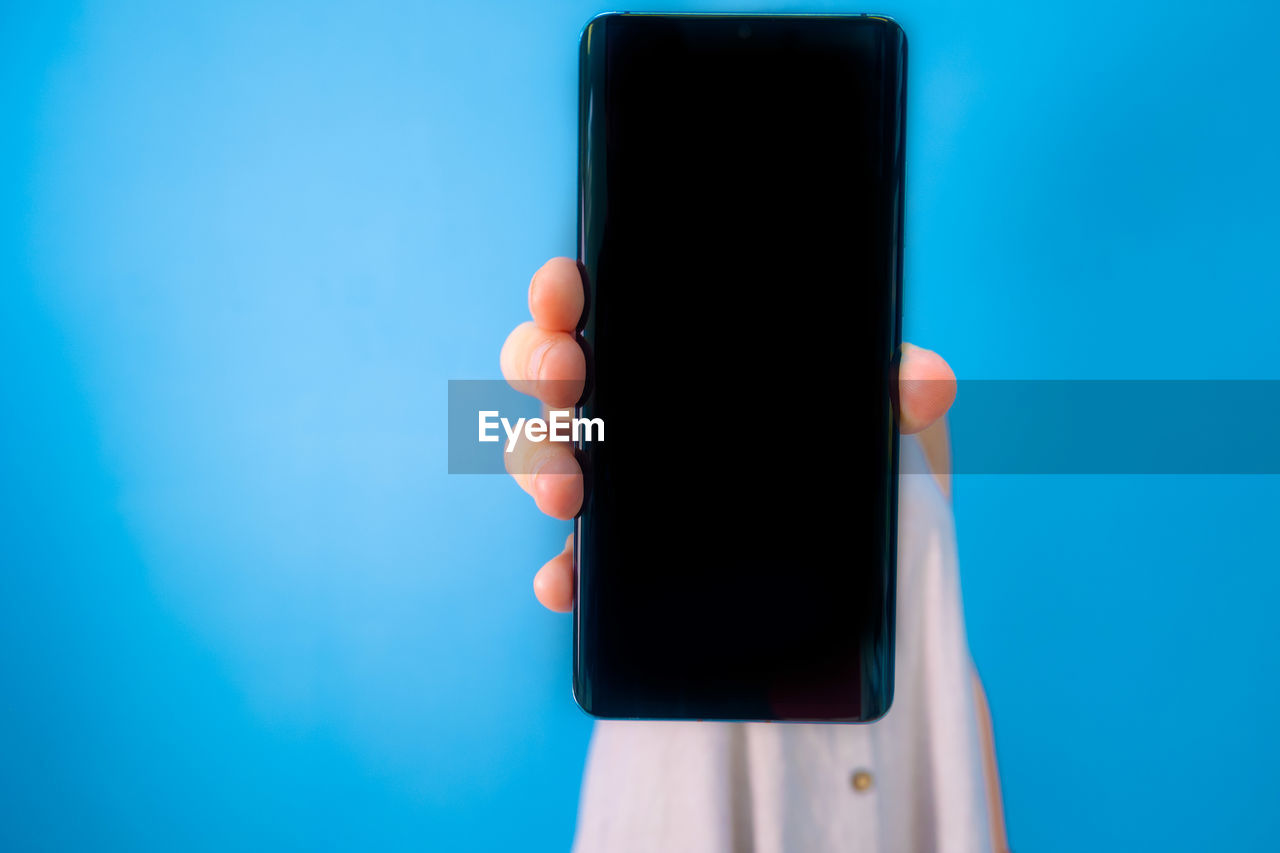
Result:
[544,355]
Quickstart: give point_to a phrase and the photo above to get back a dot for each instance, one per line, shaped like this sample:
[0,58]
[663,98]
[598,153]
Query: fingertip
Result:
[509,355]
[562,373]
[557,487]
[544,364]
[556,296]
[553,584]
[927,388]
[921,363]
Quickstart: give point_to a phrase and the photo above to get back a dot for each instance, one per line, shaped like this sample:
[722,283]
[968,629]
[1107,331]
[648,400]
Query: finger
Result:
[926,388]
[544,364]
[553,584]
[556,296]
[548,471]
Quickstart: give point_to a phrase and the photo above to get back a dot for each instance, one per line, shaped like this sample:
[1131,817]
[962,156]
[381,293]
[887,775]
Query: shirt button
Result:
[861,781]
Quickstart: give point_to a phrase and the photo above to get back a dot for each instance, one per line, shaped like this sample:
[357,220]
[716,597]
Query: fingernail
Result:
[537,357]
[540,463]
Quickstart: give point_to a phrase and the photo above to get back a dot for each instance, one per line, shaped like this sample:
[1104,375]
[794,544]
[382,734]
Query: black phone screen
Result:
[740,240]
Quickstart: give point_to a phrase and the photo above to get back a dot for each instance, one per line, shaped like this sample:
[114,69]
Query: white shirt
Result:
[775,787]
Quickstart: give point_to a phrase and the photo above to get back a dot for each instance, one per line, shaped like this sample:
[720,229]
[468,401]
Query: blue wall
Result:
[243,248]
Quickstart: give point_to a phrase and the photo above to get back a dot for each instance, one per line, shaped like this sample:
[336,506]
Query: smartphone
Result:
[740,211]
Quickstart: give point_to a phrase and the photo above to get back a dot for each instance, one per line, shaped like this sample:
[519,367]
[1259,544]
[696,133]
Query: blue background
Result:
[244,246]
